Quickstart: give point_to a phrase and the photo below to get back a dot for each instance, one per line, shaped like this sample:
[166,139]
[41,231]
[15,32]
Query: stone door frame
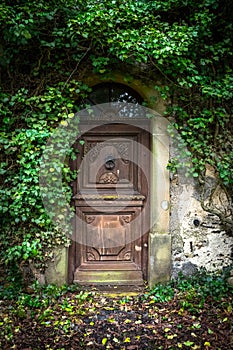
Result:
[159,242]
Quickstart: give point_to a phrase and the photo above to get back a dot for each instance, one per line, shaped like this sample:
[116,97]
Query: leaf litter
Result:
[91,320]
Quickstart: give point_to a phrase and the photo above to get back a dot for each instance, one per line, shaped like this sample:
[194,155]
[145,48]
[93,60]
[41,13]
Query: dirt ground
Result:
[115,321]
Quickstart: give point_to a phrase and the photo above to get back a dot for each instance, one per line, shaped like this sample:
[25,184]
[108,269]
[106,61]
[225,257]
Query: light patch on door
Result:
[138,248]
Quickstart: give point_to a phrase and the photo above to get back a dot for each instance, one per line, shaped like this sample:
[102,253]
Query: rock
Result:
[230,281]
[189,269]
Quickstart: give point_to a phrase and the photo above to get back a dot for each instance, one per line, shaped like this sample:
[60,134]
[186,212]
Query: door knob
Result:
[110,163]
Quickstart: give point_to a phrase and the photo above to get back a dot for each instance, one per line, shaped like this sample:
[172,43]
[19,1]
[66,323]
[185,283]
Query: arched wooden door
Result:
[111,199]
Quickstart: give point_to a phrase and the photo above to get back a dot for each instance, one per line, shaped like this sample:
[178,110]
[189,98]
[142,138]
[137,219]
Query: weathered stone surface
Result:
[197,236]
[230,281]
[57,271]
[187,269]
[160,253]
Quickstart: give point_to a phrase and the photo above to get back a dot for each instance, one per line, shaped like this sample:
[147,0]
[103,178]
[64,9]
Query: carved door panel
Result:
[111,202]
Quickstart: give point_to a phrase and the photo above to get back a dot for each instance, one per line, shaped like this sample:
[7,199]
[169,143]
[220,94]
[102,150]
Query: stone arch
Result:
[159,250]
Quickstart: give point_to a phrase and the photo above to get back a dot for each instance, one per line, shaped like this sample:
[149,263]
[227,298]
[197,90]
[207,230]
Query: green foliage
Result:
[194,291]
[27,231]
[47,48]
[161,293]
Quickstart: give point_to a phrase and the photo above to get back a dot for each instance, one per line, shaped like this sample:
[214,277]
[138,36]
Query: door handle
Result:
[110,163]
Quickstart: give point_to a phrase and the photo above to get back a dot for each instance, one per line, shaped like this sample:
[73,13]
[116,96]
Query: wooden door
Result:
[111,198]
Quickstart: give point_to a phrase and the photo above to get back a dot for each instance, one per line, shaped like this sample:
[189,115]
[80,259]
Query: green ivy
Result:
[48,47]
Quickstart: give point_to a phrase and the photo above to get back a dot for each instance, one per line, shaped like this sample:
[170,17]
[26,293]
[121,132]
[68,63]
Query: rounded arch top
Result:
[145,90]
[111,92]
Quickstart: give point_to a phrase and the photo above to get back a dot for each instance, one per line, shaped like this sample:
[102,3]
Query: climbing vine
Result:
[46,50]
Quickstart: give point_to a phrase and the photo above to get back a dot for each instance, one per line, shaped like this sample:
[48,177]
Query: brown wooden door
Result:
[112,206]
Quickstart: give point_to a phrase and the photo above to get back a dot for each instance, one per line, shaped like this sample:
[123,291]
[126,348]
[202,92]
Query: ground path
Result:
[98,320]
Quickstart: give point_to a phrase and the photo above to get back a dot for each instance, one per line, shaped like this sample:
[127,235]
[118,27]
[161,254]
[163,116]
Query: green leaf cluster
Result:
[47,48]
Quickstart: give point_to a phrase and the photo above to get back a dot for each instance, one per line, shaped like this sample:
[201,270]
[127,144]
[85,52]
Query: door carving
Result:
[111,199]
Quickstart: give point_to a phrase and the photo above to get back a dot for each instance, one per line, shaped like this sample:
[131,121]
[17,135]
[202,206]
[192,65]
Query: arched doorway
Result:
[113,92]
[111,192]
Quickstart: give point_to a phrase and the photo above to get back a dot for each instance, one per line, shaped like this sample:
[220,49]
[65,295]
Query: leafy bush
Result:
[48,48]
[194,291]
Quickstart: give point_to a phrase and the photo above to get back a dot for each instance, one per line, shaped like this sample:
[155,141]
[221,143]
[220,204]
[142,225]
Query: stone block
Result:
[159,258]
[57,271]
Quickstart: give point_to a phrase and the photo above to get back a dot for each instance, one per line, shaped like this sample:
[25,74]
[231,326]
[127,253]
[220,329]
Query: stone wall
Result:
[197,237]
[183,240]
